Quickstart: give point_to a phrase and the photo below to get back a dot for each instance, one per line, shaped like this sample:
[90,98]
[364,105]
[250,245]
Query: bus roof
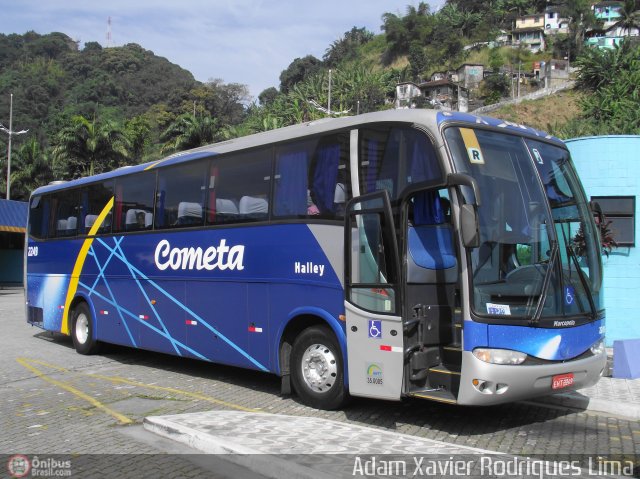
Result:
[430,118]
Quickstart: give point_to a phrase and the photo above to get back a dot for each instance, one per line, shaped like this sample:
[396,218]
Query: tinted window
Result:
[38,216]
[239,188]
[620,213]
[66,213]
[94,199]
[133,209]
[312,178]
[393,158]
[181,196]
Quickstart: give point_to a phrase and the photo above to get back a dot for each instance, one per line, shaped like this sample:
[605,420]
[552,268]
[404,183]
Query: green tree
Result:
[416,26]
[298,70]
[346,48]
[189,131]
[87,147]
[629,17]
[30,169]
[417,60]
[581,18]
[612,80]
[268,96]
[138,131]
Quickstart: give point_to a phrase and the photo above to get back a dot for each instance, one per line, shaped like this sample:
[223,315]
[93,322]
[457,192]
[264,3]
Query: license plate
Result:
[562,381]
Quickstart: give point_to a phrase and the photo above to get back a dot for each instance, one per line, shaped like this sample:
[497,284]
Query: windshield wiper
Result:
[553,257]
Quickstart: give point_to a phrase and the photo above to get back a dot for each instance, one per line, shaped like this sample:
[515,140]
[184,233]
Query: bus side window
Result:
[329,176]
[393,158]
[66,213]
[312,178]
[134,198]
[181,195]
[291,188]
[241,187]
[38,216]
[95,198]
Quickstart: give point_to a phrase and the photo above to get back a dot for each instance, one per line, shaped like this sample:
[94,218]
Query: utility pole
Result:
[329,100]
[9,131]
[519,67]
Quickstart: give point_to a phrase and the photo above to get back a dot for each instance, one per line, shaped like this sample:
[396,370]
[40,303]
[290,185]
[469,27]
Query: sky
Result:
[239,41]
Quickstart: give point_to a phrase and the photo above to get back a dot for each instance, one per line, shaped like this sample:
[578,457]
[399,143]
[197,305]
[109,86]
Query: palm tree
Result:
[31,170]
[581,18]
[629,17]
[189,131]
[86,147]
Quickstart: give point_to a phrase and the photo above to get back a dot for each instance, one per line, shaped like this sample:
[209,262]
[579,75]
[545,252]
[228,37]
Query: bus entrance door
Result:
[373,309]
[433,353]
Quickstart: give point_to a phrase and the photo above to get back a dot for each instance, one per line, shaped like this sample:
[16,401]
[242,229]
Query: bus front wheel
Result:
[317,369]
[82,330]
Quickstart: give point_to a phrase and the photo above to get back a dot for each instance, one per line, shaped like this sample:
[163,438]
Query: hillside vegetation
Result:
[93,109]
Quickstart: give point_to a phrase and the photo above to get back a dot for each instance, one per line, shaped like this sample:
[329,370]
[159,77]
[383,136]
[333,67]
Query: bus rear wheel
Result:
[82,330]
[317,369]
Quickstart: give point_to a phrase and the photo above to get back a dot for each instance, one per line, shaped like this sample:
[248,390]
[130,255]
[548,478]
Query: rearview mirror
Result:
[469,226]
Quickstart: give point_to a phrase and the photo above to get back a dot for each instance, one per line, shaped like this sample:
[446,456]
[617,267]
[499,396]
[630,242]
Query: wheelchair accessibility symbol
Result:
[375,328]
[569,295]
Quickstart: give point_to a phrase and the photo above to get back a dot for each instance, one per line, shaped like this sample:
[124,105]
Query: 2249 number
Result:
[32,251]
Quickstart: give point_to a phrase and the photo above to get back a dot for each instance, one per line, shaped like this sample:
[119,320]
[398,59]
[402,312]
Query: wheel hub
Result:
[82,328]
[319,368]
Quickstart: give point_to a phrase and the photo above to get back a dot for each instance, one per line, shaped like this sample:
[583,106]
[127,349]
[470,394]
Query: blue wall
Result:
[609,166]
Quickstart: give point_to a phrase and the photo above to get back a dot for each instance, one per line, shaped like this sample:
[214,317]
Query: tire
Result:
[317,369]
[82,330]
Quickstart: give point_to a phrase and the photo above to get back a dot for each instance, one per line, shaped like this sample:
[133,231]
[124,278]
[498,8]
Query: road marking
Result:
[202,397]
[67,387]
[117,379]
[48,365]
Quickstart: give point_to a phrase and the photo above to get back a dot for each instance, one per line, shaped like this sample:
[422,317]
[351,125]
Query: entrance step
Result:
[440,395]
[452,355]
[445,377]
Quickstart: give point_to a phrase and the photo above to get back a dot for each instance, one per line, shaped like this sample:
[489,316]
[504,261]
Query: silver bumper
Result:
[514,383]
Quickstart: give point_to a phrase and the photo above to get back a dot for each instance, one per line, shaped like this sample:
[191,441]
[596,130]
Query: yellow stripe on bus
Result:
[153,164]
[77,268]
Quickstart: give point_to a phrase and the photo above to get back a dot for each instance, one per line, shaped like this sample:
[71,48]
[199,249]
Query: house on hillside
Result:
[554,72]
[446,95]
[529,32]
[554,22]
[607,12]
[470,75]
[406,92]
[609,35]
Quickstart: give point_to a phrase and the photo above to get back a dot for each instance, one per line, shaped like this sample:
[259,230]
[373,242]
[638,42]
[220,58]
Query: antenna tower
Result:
[109,39]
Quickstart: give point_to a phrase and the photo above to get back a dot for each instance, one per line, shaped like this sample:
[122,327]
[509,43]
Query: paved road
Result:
[55,401]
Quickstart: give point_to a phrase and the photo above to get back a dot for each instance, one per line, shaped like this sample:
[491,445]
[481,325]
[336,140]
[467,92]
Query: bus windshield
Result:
[538,258]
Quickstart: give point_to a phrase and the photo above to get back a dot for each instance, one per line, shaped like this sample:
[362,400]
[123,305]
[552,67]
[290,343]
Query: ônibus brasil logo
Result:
[18,465]
[221,257]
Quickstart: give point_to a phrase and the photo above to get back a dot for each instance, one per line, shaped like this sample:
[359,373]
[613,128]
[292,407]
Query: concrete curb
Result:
[277,446]
[265,464]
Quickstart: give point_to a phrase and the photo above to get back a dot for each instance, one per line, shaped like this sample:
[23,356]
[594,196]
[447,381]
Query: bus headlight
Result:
[597,348]
[499,356]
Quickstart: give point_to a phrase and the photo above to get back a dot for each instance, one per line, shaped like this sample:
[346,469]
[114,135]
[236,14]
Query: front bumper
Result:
[514,383]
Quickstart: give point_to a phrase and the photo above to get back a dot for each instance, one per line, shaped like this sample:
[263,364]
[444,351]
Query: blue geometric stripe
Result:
[144,293]
[136,272]
[133,316]
[106,283]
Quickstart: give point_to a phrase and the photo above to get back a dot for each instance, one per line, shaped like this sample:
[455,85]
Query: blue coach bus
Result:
[393,254]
